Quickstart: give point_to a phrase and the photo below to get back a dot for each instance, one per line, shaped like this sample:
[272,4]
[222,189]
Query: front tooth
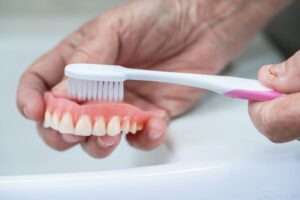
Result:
[83,126]
[66,124]
[55,121]
[140,127]
[113,127]
[99,127]
[133,128]
[125,126]
[47,119]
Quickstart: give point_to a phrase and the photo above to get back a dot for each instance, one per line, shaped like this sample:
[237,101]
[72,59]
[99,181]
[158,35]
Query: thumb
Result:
[61,89]
[102,49]
[283,77]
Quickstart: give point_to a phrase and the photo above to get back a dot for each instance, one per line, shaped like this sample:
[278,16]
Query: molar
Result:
[66,124]
[55,121]
[47,119]
[113,127]
[125,126]
[133,127]
[99,127]
[83,126]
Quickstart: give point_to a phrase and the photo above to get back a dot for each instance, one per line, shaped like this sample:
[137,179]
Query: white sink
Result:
[213,152]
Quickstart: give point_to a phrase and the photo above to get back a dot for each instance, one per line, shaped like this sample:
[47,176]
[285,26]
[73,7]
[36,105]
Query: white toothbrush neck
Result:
[219,84]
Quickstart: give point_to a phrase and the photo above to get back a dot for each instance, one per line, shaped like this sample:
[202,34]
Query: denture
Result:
[93,118]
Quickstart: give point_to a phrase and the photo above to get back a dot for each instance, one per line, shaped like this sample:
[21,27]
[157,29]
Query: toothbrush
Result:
[99,82]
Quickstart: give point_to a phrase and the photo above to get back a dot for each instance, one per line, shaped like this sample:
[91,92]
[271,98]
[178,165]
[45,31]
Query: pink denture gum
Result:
[93,118]
[107,110]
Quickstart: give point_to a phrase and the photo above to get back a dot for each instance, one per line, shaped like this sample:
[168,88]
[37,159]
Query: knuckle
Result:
[296,70]
[82,55]
[297,60]
[294,63]
[83,52]
[297,54]
[268,123]
[282,127]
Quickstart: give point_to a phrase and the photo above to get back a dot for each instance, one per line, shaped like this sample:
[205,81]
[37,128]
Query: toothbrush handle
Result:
[226,85]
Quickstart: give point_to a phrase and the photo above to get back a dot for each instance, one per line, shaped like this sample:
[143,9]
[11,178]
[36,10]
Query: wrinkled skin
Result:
[279,119]
[197,36]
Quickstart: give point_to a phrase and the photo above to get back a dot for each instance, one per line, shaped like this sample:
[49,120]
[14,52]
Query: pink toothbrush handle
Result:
[253,95]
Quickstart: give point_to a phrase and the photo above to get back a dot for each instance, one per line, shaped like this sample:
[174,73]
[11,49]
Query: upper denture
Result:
[95,118]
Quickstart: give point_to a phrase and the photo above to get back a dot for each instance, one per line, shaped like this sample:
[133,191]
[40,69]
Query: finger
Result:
[61,89]
[43,74]
[57,140]
[151,137]
[278,119]
[284,77]
[37,79]
[103,49]
[100,147]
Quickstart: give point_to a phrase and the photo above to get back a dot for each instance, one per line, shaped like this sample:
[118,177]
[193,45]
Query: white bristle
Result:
[95,90]
[120,88]
[100,87]
[116,91]
[110,91]
[90,90]
[78,90]
[105,91]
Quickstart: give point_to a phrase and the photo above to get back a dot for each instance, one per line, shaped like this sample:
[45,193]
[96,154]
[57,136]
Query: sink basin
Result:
[213,152]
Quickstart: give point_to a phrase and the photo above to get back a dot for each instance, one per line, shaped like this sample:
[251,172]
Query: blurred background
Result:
[284,30]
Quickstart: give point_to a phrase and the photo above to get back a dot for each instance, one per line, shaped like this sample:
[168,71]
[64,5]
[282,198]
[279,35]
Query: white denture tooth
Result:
[133,127]
[66,124]
[113,127]
[125,126]
[140,127]
[47,119]
[99,127]
[55,121]
[83,126]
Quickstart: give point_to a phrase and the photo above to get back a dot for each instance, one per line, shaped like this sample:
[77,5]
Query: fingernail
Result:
[277,69]
[106,141]
[71,139]
[154,134]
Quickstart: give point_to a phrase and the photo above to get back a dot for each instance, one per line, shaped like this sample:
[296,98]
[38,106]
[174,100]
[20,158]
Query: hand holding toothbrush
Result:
[171,35]
[279,119]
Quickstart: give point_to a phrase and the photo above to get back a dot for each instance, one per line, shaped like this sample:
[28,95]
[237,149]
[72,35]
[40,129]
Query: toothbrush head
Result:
[95,82]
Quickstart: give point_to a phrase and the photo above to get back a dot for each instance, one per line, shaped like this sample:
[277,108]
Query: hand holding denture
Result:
[178,36]
[116,37]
